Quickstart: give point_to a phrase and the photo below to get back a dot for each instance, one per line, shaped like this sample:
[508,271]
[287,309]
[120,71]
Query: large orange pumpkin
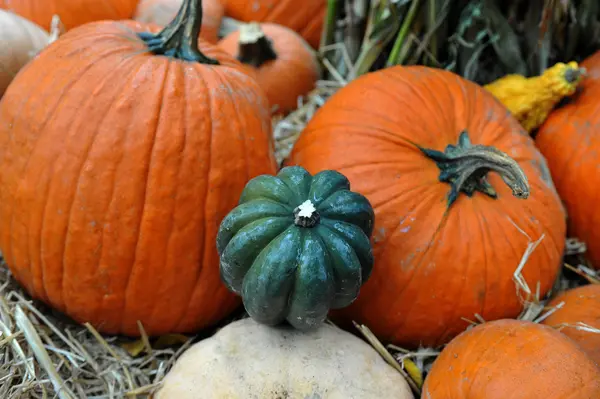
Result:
[448,236]
[117,166]
[161,12]
[305,17]
[579,313]
[72,13]
[569,141]
[512,359]
[285,65]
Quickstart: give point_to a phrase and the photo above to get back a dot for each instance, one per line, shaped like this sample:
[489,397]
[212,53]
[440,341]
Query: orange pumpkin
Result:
[581,309]
[72,13]
[447,236]
[161,12]
[512,359]
[285,65]
[568,139]
[306,17]
[118,165]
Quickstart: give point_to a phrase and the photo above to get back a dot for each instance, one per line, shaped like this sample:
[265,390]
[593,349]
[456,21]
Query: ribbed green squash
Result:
[296,246]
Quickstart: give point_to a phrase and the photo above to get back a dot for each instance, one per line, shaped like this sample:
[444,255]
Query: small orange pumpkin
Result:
[286,67]
[512,359]
[419,143]
[581,305]
[569,141]
[162,12]
[72,13]
[118,164]
[305,17]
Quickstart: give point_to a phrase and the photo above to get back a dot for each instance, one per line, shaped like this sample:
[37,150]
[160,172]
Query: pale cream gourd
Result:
[20,41]
[249,360]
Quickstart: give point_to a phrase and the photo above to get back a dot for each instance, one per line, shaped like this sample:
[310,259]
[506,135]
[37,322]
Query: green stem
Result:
[432,23]
[255,48]
[465,167]
[394,58]
[333,7]
[179,39]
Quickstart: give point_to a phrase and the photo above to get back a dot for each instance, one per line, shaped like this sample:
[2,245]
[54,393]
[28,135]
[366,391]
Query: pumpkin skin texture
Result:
[440,255]
[246,359]
[114,181]
[161,12]
[296,246]
[581,305]
[306,18]
[285,65]
[512,359]
[21,41]
[72,13]
[568,141]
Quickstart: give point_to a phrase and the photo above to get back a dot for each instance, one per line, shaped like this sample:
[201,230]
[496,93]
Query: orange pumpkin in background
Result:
[569,140]
[72,13]
[512,359]
[115,179]
[285,65]
[161,12]
[579,317]
[305,17]
[419,142]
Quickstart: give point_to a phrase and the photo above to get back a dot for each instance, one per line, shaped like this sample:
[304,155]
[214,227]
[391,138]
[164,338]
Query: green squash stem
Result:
[465,167]
[255,48]
[179,39]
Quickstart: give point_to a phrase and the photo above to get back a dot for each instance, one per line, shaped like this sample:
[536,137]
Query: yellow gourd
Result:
[531,100]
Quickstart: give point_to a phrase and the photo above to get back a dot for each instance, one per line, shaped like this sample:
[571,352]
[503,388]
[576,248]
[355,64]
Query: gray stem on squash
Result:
[179,39]
[465,167]
[254,47]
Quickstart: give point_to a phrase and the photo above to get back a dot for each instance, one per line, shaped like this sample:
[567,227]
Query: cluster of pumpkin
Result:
[125,147]
[277,51]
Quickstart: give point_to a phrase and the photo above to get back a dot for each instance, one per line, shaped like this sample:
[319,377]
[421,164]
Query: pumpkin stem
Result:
[179,39]
[306,215]
[255,48]
[465,167]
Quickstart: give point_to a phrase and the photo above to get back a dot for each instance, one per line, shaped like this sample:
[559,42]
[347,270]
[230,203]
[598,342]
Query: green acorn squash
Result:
[296,246]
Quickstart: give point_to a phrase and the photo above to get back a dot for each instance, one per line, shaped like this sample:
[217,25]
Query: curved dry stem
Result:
[465,167]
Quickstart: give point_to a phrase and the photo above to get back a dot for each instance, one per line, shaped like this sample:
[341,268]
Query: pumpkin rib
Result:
[176,192]
[9,249]
[199,273]
[44,218]
[84,159]
[112,199]
[418,267]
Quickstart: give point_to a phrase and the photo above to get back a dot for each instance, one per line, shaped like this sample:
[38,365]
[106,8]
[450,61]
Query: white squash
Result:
[246,360]
[20,41]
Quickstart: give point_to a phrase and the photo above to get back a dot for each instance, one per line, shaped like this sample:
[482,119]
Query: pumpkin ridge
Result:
[25,102]
[430,243]
[184,134]
[208,241]
[230,90]
[60,301]
[124,308]
[102,255]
